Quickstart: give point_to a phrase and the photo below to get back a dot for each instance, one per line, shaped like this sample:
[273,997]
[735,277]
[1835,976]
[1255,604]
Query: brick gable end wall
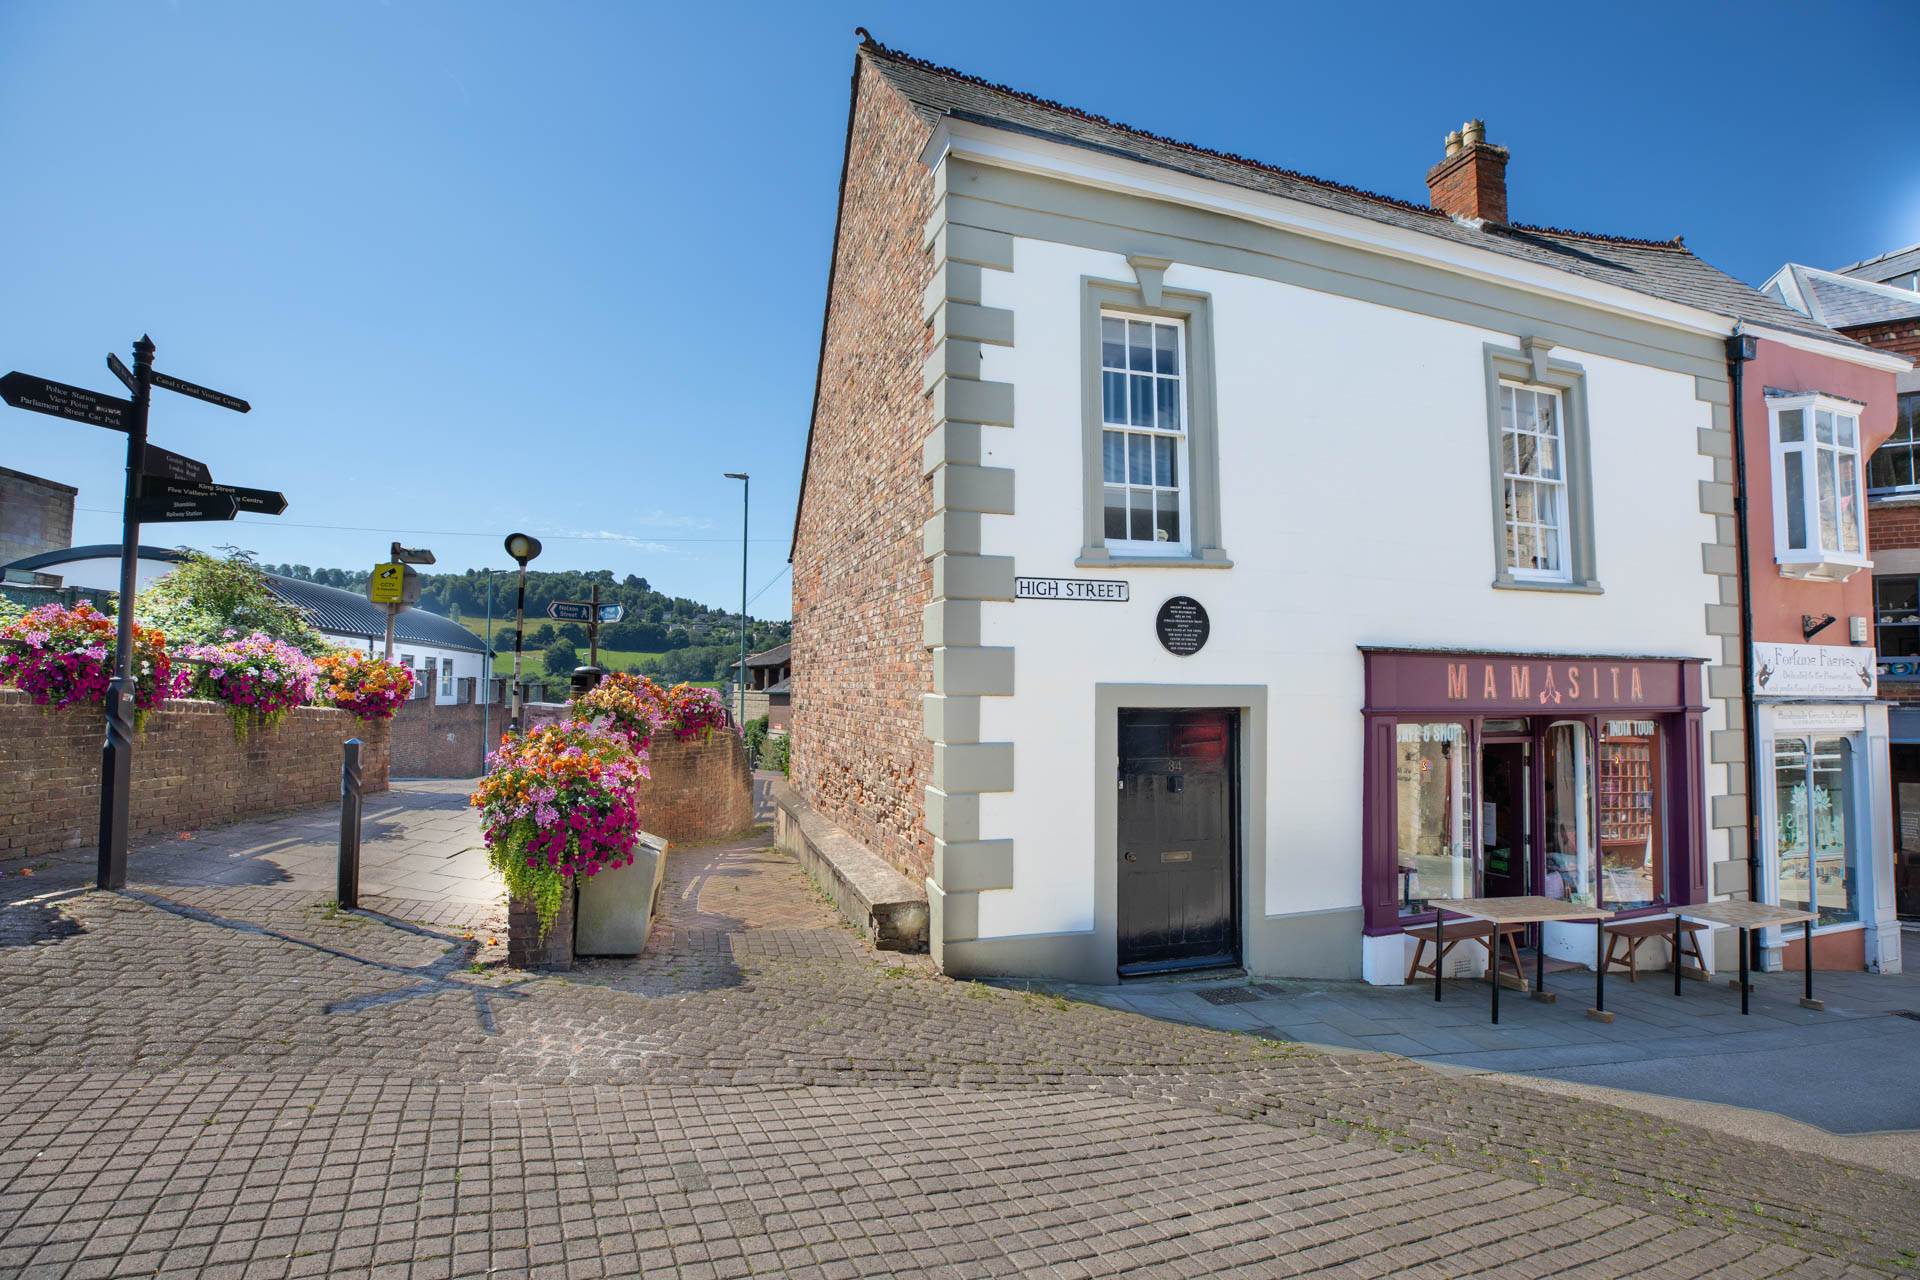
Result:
[860,580]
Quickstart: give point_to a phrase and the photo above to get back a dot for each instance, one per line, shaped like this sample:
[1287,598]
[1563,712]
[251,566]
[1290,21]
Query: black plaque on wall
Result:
[1183,625]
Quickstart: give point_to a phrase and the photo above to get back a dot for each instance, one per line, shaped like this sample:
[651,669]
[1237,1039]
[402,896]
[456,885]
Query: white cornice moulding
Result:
[988,145]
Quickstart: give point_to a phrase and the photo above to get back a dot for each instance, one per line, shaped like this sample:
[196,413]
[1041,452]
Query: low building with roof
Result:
[440,652]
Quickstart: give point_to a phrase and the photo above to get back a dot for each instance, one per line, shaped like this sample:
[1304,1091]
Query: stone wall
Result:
[432,740]
[35,515]
[860,574]
[188,771]
[696,790]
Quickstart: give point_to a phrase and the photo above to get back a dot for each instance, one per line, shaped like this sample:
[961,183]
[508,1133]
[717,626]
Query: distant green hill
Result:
[667,637]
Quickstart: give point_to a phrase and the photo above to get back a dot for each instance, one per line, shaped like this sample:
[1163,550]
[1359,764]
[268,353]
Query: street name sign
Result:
[266,502]
[570,611]
[44,395]
[121,371]
[198,392]
[387,584]
[1111,589]
[165,464]
[612,612]
[163,508]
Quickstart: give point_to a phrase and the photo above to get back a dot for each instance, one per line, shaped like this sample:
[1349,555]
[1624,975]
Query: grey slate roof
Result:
[344,613]
[1843,301]
[1898,262]
[1660,269]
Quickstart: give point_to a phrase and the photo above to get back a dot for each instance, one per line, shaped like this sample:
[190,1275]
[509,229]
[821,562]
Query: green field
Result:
[611,659]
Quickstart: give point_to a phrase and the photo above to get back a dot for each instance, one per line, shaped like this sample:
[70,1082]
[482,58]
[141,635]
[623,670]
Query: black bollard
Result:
[350,802]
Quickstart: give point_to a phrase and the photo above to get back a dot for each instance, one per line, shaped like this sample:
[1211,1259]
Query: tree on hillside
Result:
[560,659]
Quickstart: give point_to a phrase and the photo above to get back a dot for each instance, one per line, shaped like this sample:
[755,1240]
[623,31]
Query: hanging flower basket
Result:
[61,656]
[366,687]
[258,678]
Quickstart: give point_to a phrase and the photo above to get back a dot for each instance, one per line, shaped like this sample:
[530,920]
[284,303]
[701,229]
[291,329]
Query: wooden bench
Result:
[1458,931]
[1635,932]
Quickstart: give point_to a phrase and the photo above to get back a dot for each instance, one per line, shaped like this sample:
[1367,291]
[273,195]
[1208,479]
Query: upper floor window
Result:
[1143,418]
[1895,465]
[1896,606]
[1819,520]
[446,678]
[1534,478]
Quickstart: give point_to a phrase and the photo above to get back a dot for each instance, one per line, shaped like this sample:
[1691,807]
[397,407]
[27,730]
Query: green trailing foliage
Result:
[208,599]
[755,736]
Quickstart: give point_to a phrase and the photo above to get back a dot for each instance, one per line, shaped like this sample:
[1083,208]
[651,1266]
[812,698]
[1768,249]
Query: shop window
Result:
[1431,812]
[1904,764]
[1569,814]
[1819,521]
[1813,827]
[1633,869]
[1896,607]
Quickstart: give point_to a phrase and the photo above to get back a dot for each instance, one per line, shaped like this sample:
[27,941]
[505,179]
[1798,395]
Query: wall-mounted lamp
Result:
[1811,626]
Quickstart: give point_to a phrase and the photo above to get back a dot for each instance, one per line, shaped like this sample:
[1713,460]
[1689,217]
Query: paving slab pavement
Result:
[217,1074]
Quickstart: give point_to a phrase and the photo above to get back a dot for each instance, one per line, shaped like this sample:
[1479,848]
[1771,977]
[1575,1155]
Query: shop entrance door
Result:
[1506,843]
[1177,847]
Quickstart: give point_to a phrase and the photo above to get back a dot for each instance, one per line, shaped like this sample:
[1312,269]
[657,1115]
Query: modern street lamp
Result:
[522,547]
[746,488]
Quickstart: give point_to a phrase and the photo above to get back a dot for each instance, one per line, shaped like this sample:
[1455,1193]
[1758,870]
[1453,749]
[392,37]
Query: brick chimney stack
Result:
[1471,179]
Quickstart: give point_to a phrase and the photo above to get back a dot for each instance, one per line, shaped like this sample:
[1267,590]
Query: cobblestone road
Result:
[235,1080]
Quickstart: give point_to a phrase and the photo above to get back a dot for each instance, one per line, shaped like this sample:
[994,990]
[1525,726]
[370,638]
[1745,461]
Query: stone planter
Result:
[616,907]
[555,954]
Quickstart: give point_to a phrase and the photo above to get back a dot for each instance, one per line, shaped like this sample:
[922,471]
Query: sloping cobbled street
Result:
[239,1080]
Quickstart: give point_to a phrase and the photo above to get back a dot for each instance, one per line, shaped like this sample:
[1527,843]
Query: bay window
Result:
[1819,518]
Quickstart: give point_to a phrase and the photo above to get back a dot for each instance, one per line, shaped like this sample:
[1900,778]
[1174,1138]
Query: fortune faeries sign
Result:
[1827,671]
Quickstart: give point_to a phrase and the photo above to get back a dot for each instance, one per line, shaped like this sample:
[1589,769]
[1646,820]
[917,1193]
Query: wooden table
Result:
[1746,917]
[1528,910]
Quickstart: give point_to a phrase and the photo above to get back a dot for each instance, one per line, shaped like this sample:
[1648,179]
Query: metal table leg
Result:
[1494,971]
[1540,964]
[1807,1001]
[1599,1011]
[1676,955]
[1743,971]
[1439,949]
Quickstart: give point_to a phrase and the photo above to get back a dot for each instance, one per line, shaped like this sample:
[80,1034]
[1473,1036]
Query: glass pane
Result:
[1829,504]
[1849,506]
[1550,457]
[1523,503]
[1510,453]
[1796,486]
[1528,449]
[1141,392]
[1116,506]
[1901,594]
[1163,472]
[1166,519]
[1843,431]
[1113,343]
[1881,471]
[1569,814]
[1547,500]
[1526,545]
[1506,408]
[1113,457]
[1525,417]
[1549,548]
[1139,460]
[1790,820]
[1632,869]
[1113,397]
[1792,425]
[1549,408]
[1829,801]
[1139,345]
[1430,814]
[1166,347]
[1168,407]
[1823,426]
[1141,516]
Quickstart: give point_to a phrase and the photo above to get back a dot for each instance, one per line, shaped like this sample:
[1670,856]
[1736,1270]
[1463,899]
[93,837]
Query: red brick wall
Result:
[433,741]
[1473,185]
[859,579]
[188,771]
[1890,528]
[1902,337]
[695,790]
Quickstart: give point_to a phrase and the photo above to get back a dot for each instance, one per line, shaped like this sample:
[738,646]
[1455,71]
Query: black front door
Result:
[1505,845]
[1176,840]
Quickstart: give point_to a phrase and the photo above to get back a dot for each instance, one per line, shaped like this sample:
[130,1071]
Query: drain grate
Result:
[1228,995]
[1913,1014]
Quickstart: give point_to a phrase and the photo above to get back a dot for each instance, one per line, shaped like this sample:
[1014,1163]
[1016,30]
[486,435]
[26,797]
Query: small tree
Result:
[207,596]
[560,659]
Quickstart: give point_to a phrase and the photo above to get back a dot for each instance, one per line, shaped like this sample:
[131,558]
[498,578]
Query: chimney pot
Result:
[1471,179]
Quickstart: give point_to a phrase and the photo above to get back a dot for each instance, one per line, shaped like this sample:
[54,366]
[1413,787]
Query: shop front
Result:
[1493,774]
[1826,837]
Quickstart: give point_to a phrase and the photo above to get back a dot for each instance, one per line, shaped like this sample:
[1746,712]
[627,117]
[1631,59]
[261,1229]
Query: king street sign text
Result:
[1108,589]
[44,395]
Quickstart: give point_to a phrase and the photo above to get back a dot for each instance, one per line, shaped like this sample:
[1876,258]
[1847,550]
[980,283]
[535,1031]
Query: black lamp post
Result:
[522,547]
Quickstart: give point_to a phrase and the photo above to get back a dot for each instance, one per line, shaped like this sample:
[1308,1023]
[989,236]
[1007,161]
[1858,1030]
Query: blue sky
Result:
[557,267]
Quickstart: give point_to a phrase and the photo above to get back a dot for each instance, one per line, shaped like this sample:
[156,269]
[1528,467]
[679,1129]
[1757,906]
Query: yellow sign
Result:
[387,584]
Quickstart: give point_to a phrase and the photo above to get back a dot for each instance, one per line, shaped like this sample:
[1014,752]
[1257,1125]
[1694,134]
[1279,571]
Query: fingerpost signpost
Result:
[161,486]
[591,612]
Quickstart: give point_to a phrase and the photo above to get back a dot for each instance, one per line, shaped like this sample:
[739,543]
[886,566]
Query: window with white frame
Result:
[1143,410]
[446,677]
[1534,479]
[1819,518]
[1895,465]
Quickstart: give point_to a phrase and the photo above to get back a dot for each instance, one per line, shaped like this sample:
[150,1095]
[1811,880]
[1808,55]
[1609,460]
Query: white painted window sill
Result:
[1588,588]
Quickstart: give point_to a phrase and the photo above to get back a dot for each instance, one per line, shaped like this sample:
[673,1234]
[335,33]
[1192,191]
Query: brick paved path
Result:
[217,1080]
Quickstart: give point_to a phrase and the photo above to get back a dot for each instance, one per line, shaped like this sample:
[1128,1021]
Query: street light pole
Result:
[522,547]
[746,488]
